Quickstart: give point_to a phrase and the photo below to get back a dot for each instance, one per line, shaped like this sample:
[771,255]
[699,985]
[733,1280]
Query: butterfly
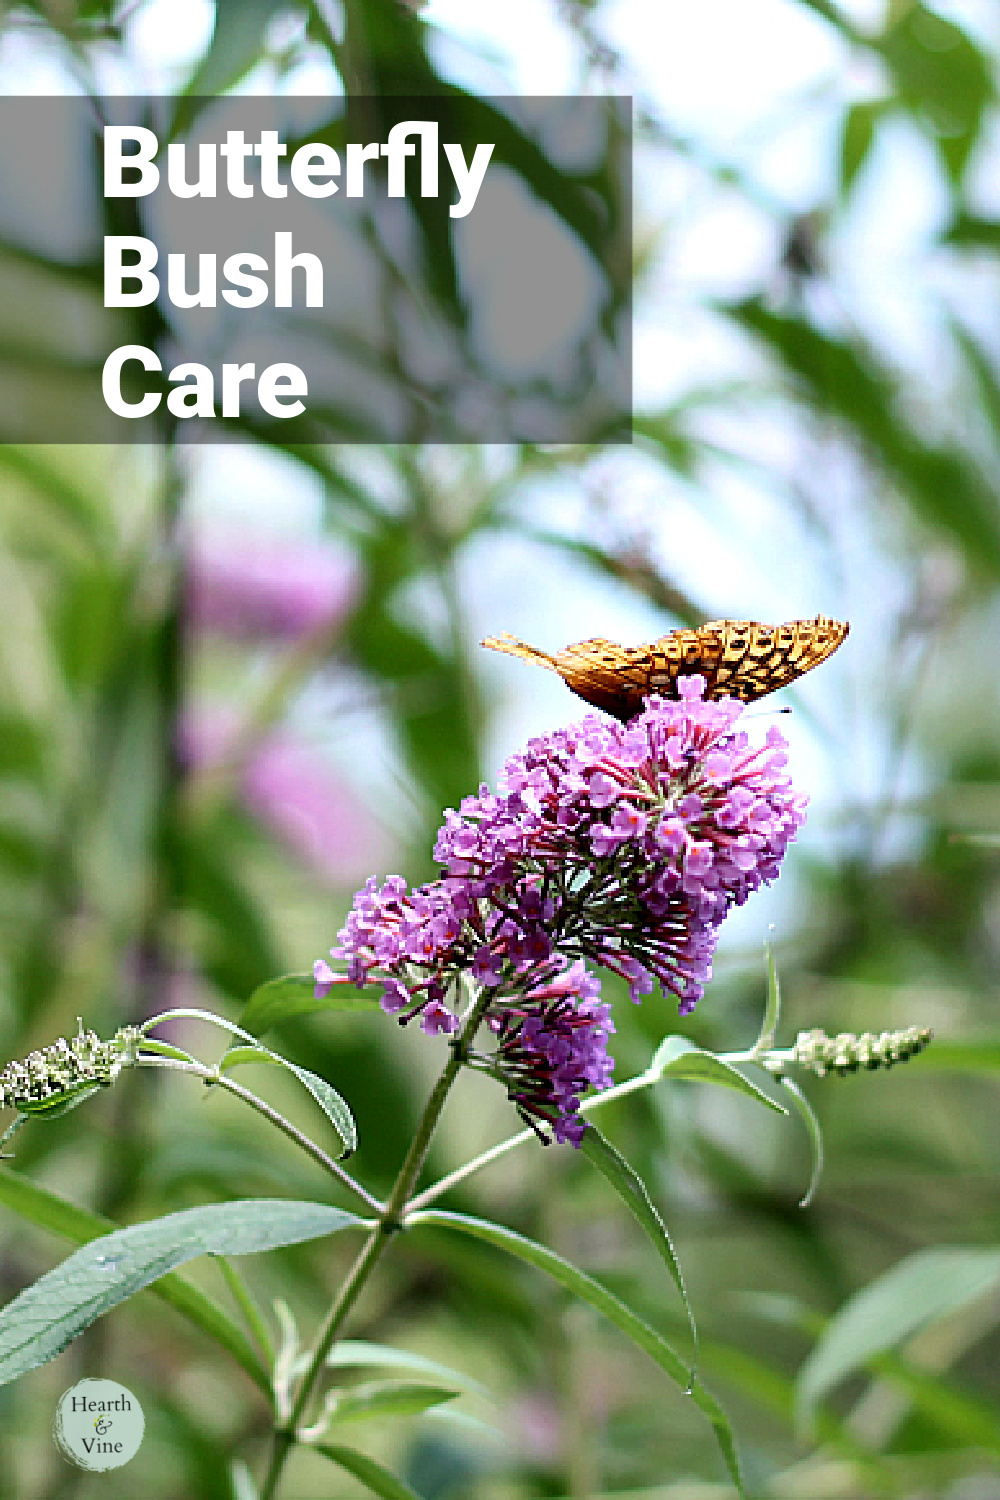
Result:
[737,658]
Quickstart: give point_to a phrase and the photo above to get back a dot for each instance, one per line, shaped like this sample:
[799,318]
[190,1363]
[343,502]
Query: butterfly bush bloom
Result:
[625,844]
[552,1046]
[629,843]
[65,1067]
[290,786]
[267,588]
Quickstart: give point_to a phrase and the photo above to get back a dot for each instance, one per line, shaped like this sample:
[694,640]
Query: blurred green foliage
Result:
[124,882]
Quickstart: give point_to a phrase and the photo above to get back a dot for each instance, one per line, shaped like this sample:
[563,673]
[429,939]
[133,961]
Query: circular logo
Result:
[99,1425]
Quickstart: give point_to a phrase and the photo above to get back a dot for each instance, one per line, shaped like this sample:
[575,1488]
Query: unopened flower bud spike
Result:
[55,1079]
[847,1052]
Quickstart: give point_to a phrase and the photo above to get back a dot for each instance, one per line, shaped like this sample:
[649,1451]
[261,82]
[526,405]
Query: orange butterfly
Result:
[737,658]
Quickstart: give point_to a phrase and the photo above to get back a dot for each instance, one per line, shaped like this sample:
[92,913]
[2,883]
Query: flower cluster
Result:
[628,844]
[61,1070]
[552,1046]
[622,844]
[415,942]
[266,587]
[847,1052]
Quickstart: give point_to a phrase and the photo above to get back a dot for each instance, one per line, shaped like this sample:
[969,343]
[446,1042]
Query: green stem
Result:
[219,1080]
[247,1306]
[284,1437]
[588,1107]
[390,1221]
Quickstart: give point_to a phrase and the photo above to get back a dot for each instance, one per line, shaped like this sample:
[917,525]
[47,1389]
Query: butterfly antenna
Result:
[767,713]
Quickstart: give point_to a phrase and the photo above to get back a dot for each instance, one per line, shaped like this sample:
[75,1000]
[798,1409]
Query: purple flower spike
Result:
[552,1048]
[639,838]
[624,844]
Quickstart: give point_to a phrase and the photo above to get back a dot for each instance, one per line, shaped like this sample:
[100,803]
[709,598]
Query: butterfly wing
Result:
[737,658]
[744,659]
[612,677]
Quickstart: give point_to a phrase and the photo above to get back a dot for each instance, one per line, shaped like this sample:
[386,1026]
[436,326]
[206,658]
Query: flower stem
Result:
[389,1222]
[588,1107]
[219,1080]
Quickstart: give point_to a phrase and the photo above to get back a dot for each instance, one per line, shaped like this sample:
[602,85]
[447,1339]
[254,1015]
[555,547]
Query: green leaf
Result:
[61,1104]
[676,1057]
[944,488]
[919,1290]
[236,1056]
[350,1354]
[971,1422]
[48,1211]
[597,1296]
[815,1132]
[326,1096]
[836,17]
[941,77]
[23,748]
[988,386]
[56,489]
[237,44]
[632,1190]
[371,1474]
[772,1008]
[387,1399]
[858,139]
[291,996]
[972,232]
[41,1320]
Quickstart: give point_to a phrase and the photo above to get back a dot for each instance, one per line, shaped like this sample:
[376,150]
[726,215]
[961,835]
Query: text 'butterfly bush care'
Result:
[624,844]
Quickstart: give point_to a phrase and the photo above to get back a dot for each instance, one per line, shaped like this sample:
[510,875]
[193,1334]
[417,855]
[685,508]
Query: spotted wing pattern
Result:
[737,658]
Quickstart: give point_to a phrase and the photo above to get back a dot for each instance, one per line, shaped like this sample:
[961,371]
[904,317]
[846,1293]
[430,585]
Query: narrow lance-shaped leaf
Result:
[676,1057]
[632,1190]
[40,1206]
[237,44]
[349,1354]
[918,1290]
[42,1320]
[373,1476]
[944,488]
[293,995]
[815,1133]
[333,1106]
[387,1399]
[597,1296]
[772,1008]
[858,139]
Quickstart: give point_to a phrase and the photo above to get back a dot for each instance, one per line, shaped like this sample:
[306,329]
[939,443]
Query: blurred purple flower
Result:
[293,790]
[258,587]
[296,793]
